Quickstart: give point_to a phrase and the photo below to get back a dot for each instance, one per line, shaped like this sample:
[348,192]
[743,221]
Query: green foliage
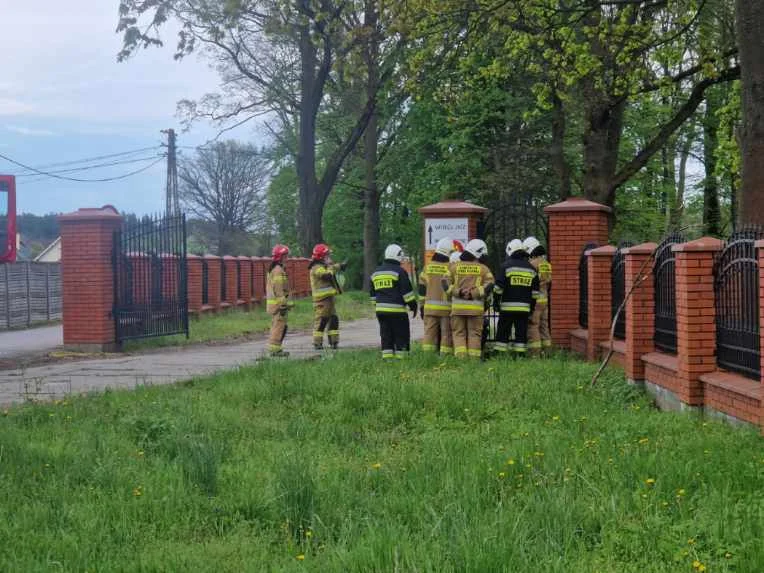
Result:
[282,205]
[352,465]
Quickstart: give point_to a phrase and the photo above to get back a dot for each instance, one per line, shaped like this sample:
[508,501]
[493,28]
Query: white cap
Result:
[394,252]
[445,246]
[530,244]
[455,257]
[513,246]
[476,248]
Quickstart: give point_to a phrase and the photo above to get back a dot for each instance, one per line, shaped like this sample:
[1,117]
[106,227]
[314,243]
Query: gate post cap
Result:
[606,251]
[641,249]
[243,258]
[759,245]
[576,204]
[452,207]
[702,245]
[229,258]
[211,257]
[192,256]
[107,212]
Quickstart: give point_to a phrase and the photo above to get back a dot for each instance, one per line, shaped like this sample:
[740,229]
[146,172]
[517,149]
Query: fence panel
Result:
[583,286]
[618,289]
[664,281]
[736,286]
[30,293]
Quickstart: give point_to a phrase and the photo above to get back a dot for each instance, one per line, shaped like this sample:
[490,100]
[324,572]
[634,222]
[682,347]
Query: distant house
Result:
[51,253]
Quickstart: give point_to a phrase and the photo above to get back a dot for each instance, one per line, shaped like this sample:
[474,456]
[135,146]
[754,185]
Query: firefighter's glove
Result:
[444,284]
[421,312]
[465,293]
[413,308]
[497,303]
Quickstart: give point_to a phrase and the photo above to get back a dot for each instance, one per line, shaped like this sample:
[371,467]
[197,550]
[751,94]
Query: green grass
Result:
[237,324]
[359,466]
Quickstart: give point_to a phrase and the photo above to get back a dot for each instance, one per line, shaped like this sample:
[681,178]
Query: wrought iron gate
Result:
[664,281]
[618,288]
[150,273]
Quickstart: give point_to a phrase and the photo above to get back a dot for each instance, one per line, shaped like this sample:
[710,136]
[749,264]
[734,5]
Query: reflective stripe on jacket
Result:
[469,278]
[276,290]
[391,289]
[436,300]
[544,269]
[322,281]
[517,285]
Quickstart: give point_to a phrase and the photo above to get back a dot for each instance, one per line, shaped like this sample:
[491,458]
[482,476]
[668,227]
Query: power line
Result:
[89,167]
[97,158]
[77,180]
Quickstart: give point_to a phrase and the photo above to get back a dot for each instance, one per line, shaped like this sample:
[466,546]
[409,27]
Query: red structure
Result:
[7,219]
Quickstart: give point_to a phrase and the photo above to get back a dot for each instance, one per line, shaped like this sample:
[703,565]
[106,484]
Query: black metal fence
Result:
[736,286]
[664,281]
[583,286]
[150,274]
[618,289]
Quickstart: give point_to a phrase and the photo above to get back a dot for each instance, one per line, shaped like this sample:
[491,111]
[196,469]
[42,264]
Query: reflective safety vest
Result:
[469,278]
[323,280]
[276,290]
[544,269]
[435,300]
[391,289]
[517,285]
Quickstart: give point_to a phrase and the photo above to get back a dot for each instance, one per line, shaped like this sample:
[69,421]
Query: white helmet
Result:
[476,248]
[530,244]
[455,257]
[394,252]
[514,246]
[445,246]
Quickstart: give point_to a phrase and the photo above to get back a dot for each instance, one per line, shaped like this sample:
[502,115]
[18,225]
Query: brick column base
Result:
[600,293]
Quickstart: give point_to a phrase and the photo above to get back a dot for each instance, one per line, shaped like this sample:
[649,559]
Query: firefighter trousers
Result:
[395,334]
[467,332]
[325,319]
[538,328]
[437,334]
[510,322]
[278,331]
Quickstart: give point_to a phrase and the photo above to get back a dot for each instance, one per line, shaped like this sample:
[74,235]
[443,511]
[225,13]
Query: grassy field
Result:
[352,465]
[240,325]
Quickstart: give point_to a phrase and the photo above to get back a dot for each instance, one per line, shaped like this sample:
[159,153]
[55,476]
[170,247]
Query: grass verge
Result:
[237,324]
[354,465]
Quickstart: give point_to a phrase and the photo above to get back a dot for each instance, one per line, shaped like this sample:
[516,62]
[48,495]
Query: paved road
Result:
[57,380]
[16,343]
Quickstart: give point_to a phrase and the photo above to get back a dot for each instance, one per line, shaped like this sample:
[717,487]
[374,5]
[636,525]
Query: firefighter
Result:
[324,287]
[470,281]
[514,299]
[392,292]
[277,300]
[434,303]
[539,337]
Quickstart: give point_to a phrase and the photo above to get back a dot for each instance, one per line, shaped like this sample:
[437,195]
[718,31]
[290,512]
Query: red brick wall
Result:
[745,408]
[600,296]
[213,280]
[87,277]
[245,279]
[194,283]
[640,309]
[230,279]
[572,224]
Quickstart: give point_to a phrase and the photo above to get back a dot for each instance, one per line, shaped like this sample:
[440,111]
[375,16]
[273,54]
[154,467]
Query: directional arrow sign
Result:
[437,229]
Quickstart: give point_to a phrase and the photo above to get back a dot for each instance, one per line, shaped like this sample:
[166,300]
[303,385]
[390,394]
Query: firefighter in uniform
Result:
[539,337]
[470,281]
[434,303]
[391,292]
[514,299]
[324,287]
[277,300]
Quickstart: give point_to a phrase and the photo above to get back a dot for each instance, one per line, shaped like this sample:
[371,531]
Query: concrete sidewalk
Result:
[54,381]
[19,343]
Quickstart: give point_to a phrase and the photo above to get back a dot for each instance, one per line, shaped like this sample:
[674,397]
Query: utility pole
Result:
[172,201]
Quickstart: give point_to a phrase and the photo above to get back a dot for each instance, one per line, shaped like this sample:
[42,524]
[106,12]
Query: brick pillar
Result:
[259,270]
[303,277]
[572,224]
[230,280]
[640,309]
[695,316]
[87,278]
[600,294]
[245,280]
[194,283]
[213,280]
[760,253]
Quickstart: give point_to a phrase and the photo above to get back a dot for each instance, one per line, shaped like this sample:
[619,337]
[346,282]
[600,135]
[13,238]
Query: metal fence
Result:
[618,289]
[30,293]
[664,281]
[736,286]
[583,286]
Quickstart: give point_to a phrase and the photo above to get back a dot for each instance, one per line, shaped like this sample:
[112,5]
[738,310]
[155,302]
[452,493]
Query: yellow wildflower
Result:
[728,555]
[644,440]
[555,418]
[502,475]
[510,462]
[309,534]
[376,465]
[300,557]
[680,492]
[138,491]
[650,482]
[691,541]
[696,564]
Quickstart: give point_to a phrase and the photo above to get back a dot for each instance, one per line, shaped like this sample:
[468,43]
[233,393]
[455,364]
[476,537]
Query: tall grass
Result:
[354,465]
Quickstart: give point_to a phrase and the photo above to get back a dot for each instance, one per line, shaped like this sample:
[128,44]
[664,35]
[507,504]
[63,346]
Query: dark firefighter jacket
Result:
[391,289]
[517,285]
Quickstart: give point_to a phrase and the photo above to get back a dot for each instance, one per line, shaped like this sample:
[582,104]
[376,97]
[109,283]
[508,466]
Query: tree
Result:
[225,184]
[276,59]
[750,22]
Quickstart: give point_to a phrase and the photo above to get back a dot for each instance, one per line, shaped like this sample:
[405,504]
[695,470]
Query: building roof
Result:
[47,249]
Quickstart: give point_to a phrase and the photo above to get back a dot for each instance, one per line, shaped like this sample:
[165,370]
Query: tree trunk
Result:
[711,209]
[668,175]
[678,211]
[602,138]
[557,150]
[750,22]
[371,192]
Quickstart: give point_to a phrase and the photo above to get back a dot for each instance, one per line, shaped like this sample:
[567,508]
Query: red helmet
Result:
[320,251]
[279,252]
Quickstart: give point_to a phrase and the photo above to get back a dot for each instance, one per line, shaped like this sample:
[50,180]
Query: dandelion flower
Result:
[555,418]
[680,492]
[138,491]
[502,475]
[644,440]
[691,541]
[510,462]
[376,465]
[696,564]
[650,482]
[728,555]
[300,557]
[309,534]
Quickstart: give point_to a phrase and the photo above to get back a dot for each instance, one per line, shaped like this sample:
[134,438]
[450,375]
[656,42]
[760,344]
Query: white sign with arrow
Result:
[437,229]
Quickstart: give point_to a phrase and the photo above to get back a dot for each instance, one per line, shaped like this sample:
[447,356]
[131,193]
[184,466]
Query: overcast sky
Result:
[63,97]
